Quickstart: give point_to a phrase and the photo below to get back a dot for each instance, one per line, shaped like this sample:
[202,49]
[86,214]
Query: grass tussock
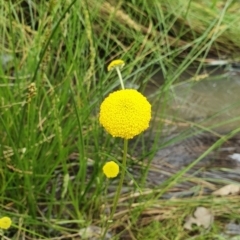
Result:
[53,71]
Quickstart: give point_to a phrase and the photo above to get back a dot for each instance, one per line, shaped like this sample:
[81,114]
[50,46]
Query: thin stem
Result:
[124,164]
[116,198]
[120,77]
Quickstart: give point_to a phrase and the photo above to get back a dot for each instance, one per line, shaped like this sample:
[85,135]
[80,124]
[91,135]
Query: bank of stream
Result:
[198,113]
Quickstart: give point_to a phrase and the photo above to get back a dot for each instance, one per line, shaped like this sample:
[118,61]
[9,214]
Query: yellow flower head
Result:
[111,169]
[125,113]
[115,63]
[5,222]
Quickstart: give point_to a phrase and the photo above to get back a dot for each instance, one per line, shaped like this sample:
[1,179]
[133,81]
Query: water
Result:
[197,114]
[212,102]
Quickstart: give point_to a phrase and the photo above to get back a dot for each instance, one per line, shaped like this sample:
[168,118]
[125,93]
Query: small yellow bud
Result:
[116,63]
[5,222]
[111,169]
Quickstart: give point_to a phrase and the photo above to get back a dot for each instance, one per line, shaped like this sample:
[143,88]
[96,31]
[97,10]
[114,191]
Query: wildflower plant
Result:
[124,113]
[5,223]
[111,169]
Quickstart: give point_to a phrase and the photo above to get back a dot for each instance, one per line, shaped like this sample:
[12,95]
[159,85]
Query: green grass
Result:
[53,148]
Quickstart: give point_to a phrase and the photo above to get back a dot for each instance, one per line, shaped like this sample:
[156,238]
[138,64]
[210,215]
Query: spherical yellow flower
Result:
[125,113]
[115,63]
[111,169]
[5,222]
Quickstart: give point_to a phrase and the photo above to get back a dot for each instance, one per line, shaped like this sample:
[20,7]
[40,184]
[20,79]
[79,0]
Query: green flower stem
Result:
[120,77]
[124,164]
[116,198]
